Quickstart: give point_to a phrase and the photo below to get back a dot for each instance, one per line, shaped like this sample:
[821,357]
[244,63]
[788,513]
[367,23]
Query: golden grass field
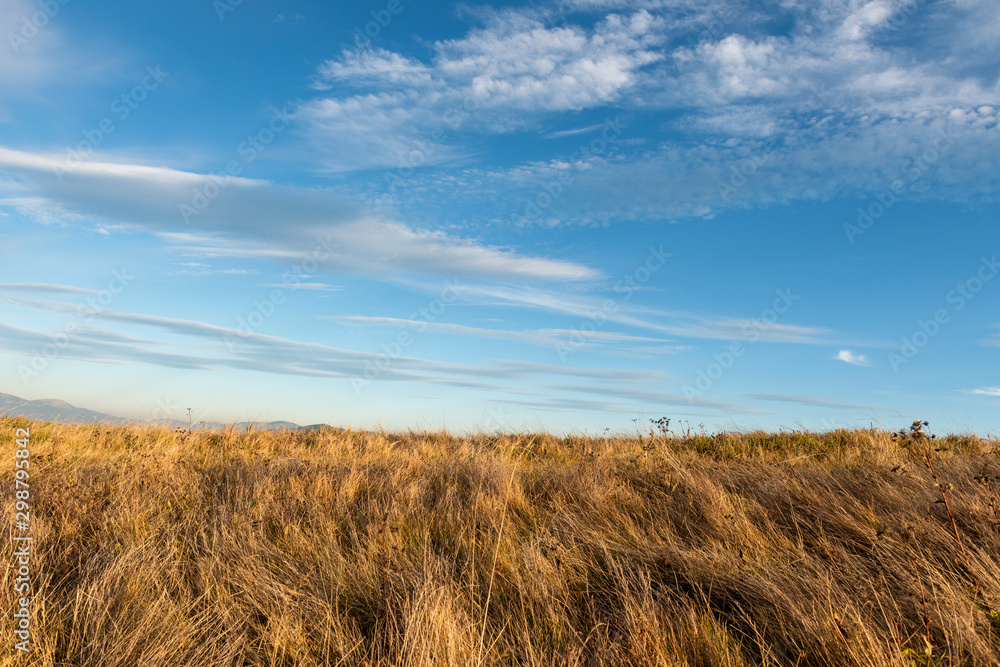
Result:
[161,547]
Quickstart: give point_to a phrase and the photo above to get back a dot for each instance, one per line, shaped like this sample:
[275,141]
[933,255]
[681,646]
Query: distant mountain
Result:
[54,410]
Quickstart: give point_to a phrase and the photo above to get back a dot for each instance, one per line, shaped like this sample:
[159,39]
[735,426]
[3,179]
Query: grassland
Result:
[159,547]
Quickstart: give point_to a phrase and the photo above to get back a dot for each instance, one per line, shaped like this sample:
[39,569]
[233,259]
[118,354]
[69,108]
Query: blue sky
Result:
[564,215]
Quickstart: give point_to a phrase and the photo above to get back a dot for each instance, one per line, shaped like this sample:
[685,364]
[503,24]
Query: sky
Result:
[569,215]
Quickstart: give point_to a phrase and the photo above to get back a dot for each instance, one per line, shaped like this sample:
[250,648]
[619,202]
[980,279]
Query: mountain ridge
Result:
[56,410]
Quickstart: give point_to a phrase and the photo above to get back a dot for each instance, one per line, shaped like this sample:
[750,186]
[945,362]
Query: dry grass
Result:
[155,547]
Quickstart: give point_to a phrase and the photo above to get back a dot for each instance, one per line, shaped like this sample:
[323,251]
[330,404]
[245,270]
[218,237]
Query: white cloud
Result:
[860,22]
[852,358]
[848,103]
[986,391]
[214,347]
[47,288]
[593,308]
[316,287]
[651,352]
[835,48]
[547,337]
[819,401]
[574,132]
[254,218]
[524,65]
[376,66]
[493,79]
[375,130]
[725,172]
[994,339]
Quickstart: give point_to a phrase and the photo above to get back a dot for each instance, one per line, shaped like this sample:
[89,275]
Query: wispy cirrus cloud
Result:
[308,286]
[985,391]
[214,347]
[662,321]
[819,401]
[994,339]
[47,288]
[546,337]
[256,218]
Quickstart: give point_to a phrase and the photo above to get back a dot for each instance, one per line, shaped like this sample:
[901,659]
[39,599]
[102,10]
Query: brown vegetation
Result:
[158,547]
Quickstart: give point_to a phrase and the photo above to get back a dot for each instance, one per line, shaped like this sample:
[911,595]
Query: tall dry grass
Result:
[154,547]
